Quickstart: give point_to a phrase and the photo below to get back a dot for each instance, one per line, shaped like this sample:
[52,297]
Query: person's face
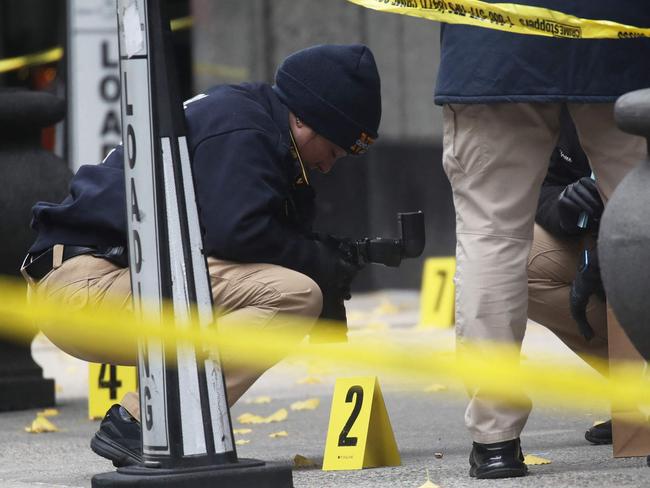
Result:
[316,151]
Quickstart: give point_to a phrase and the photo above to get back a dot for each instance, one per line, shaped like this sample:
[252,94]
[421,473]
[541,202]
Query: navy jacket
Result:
[483,66]
[568,164]
[253,203]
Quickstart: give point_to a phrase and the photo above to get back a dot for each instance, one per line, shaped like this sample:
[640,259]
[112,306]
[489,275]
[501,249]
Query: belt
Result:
[37,267]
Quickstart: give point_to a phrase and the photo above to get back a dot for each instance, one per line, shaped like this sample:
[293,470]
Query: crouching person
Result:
[252,148]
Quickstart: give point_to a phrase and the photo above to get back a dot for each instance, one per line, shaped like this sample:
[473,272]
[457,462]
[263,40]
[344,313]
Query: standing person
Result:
[565,289]
[252,147]
[501,95]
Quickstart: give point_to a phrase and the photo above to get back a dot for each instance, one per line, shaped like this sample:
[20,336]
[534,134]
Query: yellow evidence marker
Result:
[107,384]
[359,433]
[437,296]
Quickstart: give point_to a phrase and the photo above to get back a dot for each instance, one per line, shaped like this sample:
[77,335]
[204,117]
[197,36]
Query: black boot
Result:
[600,433]
[497,460]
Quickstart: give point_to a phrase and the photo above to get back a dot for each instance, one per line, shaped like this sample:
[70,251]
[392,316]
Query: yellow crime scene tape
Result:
[508,17]
[491,367]
[35,59]
[56,54]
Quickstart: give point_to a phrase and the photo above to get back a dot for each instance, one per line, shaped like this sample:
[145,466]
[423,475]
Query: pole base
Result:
[246,473]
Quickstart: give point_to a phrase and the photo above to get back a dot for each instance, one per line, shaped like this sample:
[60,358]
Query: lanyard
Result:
[302,166]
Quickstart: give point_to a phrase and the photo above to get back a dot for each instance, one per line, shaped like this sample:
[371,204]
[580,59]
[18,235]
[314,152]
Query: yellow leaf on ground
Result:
[386,308]
[278,416]
[241,442]
[250,418]
[259,400]
[428,483]
[303,462]
[282,433]
[435,388]
[310,404]
[309,380]
[48,412]
[41,425]
[532,460]
[242,431]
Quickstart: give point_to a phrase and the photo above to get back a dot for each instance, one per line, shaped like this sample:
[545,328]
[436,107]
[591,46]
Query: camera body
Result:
[390,252]
[379,250]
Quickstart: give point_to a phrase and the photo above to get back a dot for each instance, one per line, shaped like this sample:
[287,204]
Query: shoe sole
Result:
[499,473]
[597,441]
[106,448]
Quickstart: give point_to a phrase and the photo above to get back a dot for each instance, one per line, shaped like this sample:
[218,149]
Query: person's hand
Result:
[576,198]
[340,268]
[586,284]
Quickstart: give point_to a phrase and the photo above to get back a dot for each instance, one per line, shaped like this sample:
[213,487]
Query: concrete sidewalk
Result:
[423,423]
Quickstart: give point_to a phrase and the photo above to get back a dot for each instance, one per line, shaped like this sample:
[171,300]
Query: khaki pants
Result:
[496,157]
[251,294]
[552,266]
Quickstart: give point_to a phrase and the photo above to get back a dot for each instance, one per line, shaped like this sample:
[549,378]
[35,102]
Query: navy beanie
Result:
[335,90]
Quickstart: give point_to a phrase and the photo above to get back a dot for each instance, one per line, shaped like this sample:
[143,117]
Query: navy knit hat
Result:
[335,90]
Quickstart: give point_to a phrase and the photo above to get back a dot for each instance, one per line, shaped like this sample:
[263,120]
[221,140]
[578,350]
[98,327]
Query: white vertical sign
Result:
[93,82]
[144,254]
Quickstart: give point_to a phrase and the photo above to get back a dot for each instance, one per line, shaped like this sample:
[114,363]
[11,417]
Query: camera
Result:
[390,252]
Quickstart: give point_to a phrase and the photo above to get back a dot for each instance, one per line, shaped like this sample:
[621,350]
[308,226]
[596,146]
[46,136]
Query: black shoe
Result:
[498,460]
[118,438]
[600,434]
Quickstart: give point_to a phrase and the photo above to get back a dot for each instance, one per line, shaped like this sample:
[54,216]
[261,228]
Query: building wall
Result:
[235,41]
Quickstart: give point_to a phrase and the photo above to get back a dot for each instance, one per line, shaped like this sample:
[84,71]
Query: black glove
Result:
[586,283]
[337,258]
[578,197]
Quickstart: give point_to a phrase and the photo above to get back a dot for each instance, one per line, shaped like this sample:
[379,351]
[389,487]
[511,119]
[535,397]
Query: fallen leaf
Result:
[250,418]
[278,416]
[41,425]
[532,460]
[386,308]
[242,431]
[428,483]
[310,404]
[48,412]
[303,462]
[282,433]
[309,380]
[435,388]
[241,442]
[259,400]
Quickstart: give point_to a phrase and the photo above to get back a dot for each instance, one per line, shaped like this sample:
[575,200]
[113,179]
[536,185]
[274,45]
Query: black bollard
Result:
[28,173]
[624,237]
